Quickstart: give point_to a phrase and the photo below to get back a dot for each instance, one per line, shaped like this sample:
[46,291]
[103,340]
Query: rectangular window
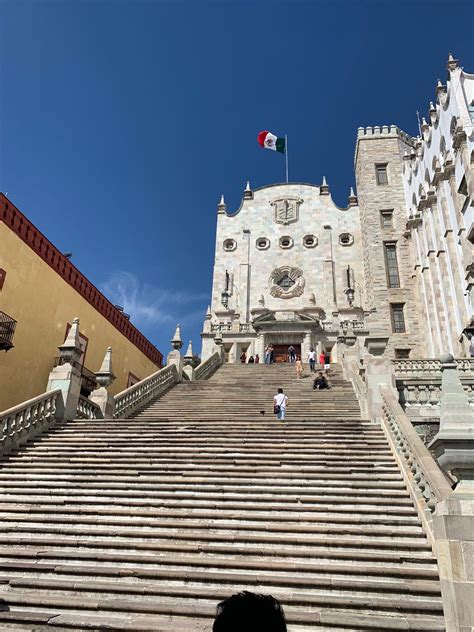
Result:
[386,218]
[402,354]
[393,278]
[398,320]
[381,173]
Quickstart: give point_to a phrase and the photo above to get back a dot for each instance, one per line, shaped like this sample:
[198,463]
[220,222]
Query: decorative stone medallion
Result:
[286,282]
[286,210]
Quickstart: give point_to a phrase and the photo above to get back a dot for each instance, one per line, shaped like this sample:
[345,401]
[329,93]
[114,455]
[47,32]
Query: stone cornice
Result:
[34,238]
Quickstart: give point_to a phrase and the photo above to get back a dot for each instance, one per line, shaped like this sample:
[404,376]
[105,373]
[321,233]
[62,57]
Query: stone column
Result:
[105,377]
[67,376]
[260,345]
[453,520]
[306,346]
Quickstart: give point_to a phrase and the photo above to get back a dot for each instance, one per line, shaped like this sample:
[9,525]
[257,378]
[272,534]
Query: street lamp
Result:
[350,292]
[225,298]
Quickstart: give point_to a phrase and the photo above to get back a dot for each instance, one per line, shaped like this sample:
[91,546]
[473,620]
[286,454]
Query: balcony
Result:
[7,331]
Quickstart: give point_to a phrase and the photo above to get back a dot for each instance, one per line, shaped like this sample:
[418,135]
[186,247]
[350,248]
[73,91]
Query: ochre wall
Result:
[43,303]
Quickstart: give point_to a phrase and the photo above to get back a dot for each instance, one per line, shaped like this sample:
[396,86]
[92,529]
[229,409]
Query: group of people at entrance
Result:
[252,359]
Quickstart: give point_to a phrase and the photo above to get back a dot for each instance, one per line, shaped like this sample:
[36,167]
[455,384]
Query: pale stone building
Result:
[392,273]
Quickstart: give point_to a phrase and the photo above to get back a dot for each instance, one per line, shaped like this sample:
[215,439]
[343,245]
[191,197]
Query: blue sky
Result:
[123,122]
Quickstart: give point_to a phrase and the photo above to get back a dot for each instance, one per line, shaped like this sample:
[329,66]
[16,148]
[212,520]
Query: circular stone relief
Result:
[310,241]
[230,244]
[262,243]
[346,239]
[286,282]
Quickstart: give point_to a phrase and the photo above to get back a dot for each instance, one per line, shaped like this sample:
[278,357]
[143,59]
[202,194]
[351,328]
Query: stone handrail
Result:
[29,419]
[208,367]
[430,366]
[142,392]
[421,472]
[355,374]
[87,409]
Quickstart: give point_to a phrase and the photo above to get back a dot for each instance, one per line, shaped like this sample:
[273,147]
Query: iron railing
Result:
[88,378]
[7,331]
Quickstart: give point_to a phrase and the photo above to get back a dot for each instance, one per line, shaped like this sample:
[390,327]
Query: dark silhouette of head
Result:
[249,612]
[280,390]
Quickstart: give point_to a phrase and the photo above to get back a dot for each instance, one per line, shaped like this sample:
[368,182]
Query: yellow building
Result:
[43,292]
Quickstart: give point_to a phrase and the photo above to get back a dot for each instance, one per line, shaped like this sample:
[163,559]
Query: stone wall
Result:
[386,146]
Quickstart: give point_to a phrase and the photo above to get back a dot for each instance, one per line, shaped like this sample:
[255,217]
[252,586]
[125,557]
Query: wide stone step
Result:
[204,600]
[222,544]
[183,614]
[287,505]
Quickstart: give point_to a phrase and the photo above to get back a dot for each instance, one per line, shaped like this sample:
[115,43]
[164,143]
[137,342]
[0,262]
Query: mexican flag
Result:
[269,141]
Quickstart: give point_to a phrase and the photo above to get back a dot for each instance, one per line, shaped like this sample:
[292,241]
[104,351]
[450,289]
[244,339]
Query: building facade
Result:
[391,273]
[41,292]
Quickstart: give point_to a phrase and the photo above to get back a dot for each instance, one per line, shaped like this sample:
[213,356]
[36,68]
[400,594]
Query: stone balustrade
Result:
[29,419]
[206,369]
[86,409]
[141,393]
[430,366]
[425,480]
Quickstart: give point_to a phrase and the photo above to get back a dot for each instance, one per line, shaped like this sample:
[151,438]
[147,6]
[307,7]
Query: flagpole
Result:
[286,156]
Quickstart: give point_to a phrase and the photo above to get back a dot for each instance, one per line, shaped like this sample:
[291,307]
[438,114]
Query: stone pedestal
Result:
[453,528]
[188,369]
[68,379]
[104,400]
[379,372]
[174,357]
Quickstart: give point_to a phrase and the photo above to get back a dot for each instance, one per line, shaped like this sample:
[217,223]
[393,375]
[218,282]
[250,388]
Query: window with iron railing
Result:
[7,331]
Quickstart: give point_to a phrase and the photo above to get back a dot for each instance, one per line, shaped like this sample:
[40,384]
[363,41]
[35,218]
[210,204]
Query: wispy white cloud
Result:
[148,304]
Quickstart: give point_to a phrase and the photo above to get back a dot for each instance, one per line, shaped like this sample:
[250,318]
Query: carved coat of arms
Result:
[286,210]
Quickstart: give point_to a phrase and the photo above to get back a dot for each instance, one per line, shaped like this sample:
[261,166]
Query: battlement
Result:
[384,130]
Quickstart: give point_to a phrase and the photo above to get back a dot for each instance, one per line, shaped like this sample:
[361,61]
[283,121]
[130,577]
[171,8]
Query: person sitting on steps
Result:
[320,382]
[249,612]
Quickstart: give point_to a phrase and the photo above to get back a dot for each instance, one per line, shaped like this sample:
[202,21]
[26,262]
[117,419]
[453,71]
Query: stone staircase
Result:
[146,523]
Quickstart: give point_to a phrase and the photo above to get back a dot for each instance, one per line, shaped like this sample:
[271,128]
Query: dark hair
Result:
[249,612]
[280,390]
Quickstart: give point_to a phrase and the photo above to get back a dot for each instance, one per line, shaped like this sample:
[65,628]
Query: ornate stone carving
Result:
[286,210]
[286,282]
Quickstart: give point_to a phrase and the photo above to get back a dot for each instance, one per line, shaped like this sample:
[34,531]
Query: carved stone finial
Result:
[452,63]
[352,198]
[105,375]
[189,355]
[312,299]
[261,301]
[324,188]
[248,193]
[70,351]
[208,313]
[222,206]
[176,341]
